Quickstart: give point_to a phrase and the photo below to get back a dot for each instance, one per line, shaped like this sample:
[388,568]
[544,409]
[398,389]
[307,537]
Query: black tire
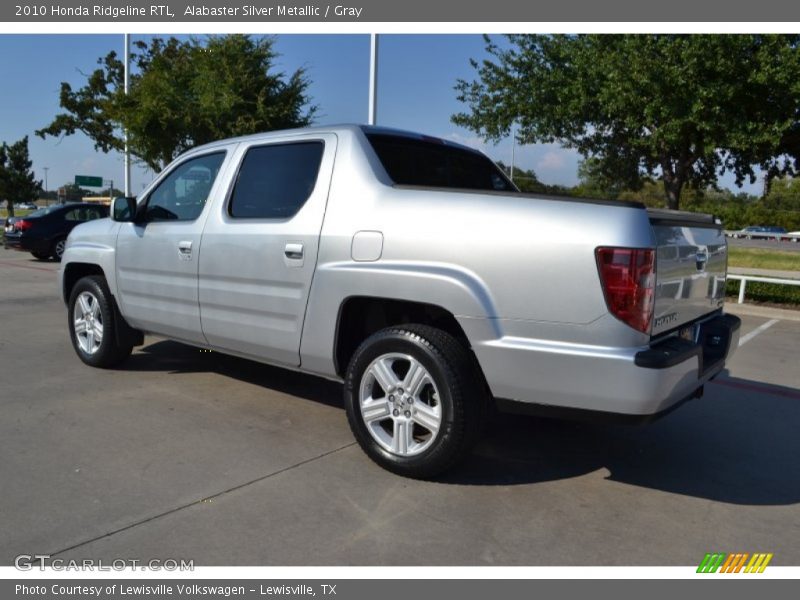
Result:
[110,351]
[40,255]
[461,397]
[58,248]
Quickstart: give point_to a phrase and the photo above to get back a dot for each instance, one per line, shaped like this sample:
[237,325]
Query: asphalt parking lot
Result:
[194,455]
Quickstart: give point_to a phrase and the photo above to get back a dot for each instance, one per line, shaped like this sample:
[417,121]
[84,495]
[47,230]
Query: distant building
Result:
[105,200]
[69,194]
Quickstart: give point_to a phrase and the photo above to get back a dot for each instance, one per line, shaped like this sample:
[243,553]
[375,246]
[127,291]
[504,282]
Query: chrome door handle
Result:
[293,251]
[185,247]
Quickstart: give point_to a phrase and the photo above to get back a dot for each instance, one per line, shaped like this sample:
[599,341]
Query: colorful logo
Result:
[734,563]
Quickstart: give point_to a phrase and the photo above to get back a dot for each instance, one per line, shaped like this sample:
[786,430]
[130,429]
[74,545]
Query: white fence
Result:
[743,279]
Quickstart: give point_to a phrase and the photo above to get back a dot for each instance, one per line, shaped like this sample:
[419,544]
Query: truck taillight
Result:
[628,277]
[22,225]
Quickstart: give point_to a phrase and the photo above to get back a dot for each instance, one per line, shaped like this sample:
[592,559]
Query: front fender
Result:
[92,243]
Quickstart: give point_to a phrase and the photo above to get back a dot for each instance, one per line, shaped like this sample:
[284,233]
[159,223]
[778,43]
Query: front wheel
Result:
[93,324]
[413,399]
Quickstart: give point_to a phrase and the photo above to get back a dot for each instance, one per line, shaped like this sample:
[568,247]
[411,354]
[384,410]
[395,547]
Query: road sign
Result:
[88,181]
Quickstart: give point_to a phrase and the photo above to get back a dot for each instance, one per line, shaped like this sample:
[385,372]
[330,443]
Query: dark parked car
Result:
[44,232]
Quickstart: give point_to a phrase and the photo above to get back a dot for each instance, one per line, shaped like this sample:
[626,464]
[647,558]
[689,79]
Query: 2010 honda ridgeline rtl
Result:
[412,269]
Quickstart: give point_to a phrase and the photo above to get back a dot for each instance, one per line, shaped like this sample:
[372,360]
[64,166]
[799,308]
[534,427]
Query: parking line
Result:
[198,501]
[11,264]
[760,329]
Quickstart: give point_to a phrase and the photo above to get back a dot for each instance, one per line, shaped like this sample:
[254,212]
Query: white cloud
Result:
[553,160]
[88,163]
[473,141]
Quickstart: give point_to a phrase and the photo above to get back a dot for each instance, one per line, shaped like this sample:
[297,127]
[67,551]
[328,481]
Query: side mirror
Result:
[123,209]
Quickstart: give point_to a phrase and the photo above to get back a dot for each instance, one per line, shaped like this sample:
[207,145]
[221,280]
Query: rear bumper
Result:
[15,241]
[528,375]
[12,241]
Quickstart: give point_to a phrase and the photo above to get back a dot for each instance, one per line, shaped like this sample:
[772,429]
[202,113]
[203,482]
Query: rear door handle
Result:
[293,251]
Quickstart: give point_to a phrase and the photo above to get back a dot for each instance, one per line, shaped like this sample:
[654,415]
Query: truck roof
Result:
[342,127]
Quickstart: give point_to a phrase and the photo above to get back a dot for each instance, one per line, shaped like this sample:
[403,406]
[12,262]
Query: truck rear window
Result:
[412,161]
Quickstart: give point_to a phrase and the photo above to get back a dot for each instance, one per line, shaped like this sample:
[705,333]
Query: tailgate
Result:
[691,262]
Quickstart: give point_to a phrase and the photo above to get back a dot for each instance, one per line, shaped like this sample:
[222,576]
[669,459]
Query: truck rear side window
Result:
[412,161]
[275,181]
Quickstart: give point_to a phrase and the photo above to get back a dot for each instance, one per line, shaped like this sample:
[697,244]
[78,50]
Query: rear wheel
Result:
[58,248]
[93,324]
[414,400]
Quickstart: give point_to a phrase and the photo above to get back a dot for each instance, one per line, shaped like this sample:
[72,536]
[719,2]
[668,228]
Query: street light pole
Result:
[373,78]
[513,148]
[127,81]
[46,199]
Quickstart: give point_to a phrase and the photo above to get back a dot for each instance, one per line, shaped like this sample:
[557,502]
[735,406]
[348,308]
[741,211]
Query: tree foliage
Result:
[17,181]
[594,182]
[784,194]
[183,94]
[684,107]
[527,181]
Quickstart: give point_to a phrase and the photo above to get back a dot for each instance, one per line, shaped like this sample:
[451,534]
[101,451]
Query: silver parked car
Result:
[411,269]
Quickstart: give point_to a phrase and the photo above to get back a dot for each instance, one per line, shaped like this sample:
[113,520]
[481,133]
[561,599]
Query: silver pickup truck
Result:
[413,270]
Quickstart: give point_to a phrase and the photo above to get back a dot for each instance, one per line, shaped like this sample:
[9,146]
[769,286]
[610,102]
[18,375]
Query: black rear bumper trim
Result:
[713,346]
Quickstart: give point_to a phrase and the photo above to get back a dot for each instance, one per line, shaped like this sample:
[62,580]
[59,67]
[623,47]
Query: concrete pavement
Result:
[194,455]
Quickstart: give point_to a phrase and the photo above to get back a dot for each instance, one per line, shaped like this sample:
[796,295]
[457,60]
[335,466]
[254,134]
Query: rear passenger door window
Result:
[93,213]
[84,213]
[275,181]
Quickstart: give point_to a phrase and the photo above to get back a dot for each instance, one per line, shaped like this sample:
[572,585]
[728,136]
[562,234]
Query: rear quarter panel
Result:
[503,265]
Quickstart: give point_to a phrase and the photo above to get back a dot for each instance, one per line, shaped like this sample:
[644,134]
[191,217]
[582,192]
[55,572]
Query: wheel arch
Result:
[361,316]
[74,272]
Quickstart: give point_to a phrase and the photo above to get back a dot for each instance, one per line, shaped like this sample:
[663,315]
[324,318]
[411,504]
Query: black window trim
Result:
[142,209]
[232,187]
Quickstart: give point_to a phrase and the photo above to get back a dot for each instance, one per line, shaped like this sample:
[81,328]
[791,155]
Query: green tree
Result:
[784,194]
[17,181]
[183,94]
[593,182]
[525,180]
[71,192]
[685,108]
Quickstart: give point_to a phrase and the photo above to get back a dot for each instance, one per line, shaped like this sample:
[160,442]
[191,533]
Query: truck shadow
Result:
[174,357]
[738,444]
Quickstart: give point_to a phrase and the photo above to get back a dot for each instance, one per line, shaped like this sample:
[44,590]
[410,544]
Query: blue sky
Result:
[415,91]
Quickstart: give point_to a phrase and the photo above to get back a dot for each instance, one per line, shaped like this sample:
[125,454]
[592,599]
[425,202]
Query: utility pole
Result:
[46,199]
[127,81]
[373,78]
[513,147]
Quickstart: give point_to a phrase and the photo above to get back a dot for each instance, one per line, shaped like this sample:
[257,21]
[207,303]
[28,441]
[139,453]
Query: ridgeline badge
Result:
[734,563]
